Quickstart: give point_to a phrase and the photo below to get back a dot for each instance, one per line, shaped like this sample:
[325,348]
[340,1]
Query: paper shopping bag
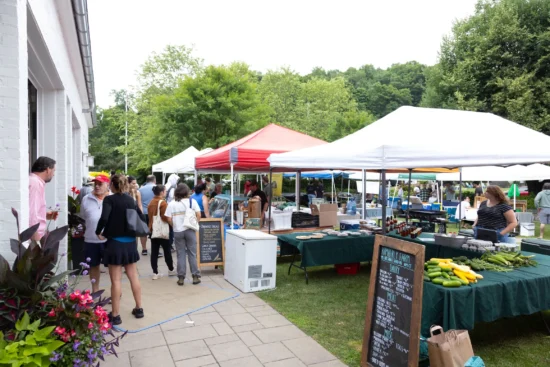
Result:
[449,349]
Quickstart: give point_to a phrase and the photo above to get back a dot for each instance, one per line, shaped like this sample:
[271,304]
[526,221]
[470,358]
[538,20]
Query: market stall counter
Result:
[522,291]
[329,250]
[536,245]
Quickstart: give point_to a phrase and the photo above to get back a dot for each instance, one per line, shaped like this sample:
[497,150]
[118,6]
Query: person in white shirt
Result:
[185,239]
[461,209]
[90,211]
[416,190]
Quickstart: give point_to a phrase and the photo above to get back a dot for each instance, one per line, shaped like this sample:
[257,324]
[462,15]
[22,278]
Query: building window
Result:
[33,146]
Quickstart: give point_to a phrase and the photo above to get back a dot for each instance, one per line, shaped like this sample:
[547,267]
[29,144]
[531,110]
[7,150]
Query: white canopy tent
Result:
[531,172]
[378,147]
[183,162]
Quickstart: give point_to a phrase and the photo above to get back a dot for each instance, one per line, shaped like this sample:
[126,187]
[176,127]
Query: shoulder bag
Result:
[135,224]
[190,218]
[160,227]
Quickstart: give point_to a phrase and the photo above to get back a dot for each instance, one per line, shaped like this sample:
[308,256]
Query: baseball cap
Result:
[101,178]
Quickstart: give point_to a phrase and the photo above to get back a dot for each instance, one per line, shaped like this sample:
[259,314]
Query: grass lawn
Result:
[331,309]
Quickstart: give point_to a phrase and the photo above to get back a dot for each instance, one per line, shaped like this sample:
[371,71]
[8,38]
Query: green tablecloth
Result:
[329,250]
[523,291]
[536,245]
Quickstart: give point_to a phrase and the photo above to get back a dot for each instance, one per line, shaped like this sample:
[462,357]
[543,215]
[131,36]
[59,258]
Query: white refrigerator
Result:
[250,260]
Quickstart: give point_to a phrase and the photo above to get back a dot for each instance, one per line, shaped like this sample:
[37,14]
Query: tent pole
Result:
[270,180]
[364,183]
[384,202]
[298,178]
[232,187]
[409,197]
[460,197]
[348,185]
[196,175]
[332,188]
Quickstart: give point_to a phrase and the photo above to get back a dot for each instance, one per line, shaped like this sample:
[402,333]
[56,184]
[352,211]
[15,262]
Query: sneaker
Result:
[115,320]
[138,313]
[144,252]
[181,280]
[196,279]
[157,276]
[172,273]
[160,254]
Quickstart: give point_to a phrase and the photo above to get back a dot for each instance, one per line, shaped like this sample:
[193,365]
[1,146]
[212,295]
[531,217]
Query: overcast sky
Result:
[266,34]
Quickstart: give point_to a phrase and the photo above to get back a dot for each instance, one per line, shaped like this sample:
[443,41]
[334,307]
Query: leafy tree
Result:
[382,99]
[107,137]
[319,105]
[214,108]
[161,73]
[497,61]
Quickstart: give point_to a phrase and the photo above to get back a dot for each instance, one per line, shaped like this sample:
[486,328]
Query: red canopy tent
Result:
[251,152]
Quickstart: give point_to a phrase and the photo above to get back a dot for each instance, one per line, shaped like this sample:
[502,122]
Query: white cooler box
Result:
[527,229]
[250,260]
[281,220]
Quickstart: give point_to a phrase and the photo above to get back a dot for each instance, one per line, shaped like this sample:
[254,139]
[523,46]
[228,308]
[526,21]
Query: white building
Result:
[47,103]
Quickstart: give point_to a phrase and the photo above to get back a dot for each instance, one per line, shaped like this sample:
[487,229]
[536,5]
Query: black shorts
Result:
[95,252]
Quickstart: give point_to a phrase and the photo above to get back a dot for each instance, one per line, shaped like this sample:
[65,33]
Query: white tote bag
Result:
[190,218]
[160,228]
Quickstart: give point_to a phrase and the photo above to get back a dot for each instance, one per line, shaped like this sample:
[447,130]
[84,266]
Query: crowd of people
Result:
[108,238]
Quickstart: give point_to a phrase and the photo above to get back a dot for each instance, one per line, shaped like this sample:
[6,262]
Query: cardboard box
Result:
[328,214]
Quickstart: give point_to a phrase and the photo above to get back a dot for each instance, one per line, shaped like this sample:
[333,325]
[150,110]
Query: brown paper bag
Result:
[449,349]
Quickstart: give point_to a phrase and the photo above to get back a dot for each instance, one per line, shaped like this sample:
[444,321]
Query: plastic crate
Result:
[304,220]
[347,269]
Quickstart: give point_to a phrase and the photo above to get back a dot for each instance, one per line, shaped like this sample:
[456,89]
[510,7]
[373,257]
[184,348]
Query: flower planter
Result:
[77,251]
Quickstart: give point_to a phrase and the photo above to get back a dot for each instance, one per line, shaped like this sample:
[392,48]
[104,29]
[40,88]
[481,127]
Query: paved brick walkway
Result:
[242,332]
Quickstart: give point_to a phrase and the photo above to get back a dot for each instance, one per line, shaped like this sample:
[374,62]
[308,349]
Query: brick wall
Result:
[13,120]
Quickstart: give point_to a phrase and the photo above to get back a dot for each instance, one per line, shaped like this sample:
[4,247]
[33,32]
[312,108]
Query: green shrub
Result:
[31,346]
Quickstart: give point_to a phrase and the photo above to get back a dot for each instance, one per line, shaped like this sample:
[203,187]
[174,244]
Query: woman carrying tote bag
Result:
[158,225]
[121,246]
[184,213]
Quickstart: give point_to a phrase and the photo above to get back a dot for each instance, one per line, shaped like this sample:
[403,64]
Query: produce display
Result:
[510,259]
[479,264]
[449,274]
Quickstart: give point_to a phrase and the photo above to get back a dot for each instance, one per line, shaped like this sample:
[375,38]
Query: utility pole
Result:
[126,133]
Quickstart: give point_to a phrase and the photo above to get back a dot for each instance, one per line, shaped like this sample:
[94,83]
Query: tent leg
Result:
[270,180]
[196,177]
[460,198]
[364,183]
[298,178]
[409,197]
[384,202]
[231,207]
[332,188]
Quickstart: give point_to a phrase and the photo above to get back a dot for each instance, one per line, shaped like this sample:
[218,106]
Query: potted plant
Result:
[70,324]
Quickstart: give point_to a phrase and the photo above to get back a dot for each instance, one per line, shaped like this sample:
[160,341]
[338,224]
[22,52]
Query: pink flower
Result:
[90,326]
[74,295]
[73,333]
[59,330]
[51,313]
[73,189]
[77,315]
[62,295]
[104,327]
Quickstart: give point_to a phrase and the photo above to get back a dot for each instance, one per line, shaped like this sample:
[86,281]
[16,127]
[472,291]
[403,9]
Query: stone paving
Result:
[241,332]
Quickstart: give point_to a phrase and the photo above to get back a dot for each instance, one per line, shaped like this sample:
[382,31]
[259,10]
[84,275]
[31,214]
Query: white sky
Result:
[266,34]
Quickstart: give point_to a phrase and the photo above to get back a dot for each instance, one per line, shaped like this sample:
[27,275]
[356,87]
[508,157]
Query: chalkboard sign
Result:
[394,307]
[210,243]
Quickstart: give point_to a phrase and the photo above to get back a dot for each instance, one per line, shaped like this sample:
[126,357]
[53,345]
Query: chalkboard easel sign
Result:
[210,242]
[394,306]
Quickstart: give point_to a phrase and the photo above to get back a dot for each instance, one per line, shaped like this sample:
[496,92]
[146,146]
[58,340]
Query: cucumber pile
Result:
[449,274]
